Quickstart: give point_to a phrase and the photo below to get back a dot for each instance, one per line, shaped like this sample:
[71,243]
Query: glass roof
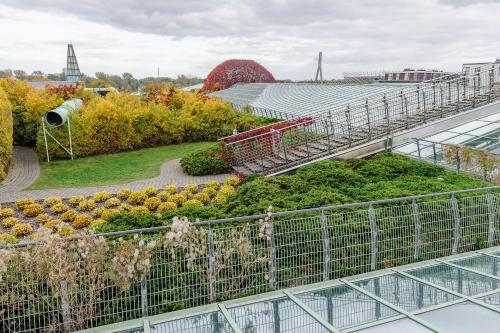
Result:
[458,294]
[483,133]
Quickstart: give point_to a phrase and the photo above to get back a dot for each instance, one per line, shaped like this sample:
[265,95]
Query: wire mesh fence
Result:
[63,285]
[293,142]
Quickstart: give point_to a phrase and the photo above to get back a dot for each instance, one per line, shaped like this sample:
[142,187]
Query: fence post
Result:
[406,112]
[458,96]
[211,267]
[418,98]
[373,231]
[144,296]
[271,244]
[491,218]
[424,107]
[441,100]
[456,224]
[368,120]
[418,149]
[449,92]
[348,118]
[386,109]
[65,307]
[433,96]
[418,228]
[326,246]
[434,152]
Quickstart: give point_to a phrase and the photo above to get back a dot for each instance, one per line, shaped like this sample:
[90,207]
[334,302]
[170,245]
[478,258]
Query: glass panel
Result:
[467,127]
[398,326]
[458,280]
[485,129]
[411,147]
[210,323]
[494,117]
[493,299]
[404,292]
[441,136]
[459,139]
[278,315]
[464,317]
[484,264]
[345,307]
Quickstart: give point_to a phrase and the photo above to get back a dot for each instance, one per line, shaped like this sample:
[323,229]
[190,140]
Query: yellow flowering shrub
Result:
[53,224]
[193,188]
[125,207]
[6,212]
[101,196]
[109,212]
[212,184]
[59,208]
[82,221]
[86,205]
[192,203]
[139,210]
[123,193]
[94,224]
[232,181]
[137,197]
[202,197]
[150,190]
[152,203]
[219,200]
[210,191]
[8,238]
[6,133]
[186,194]
[9,222]
[69,216]
[227,190]
[66,231]
[178,199]
[75,200]
[112,202]
[163,196]
[43,218]
[33,210]
[171,188]
[166,206]
[97,212]
[23,203]
[21,229]
[51,201]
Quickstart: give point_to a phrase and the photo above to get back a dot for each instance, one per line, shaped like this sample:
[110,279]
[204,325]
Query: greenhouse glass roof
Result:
[460,293]
[483,133]
[299,99]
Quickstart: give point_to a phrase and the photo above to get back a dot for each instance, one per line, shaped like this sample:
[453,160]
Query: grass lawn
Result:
[112,168]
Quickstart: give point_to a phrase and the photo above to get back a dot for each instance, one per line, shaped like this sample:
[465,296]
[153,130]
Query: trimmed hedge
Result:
[205,162]
[6,133]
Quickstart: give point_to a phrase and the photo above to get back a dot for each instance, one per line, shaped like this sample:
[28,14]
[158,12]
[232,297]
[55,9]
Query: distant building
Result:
[474,66]
[412,75]
[372,76]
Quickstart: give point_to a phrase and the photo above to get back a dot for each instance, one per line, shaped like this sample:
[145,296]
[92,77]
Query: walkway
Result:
[24,171]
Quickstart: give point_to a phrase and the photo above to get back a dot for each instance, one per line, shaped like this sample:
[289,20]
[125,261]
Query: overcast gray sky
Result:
[191,36]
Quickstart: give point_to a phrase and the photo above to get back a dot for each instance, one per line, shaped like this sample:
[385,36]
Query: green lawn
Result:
[112,168]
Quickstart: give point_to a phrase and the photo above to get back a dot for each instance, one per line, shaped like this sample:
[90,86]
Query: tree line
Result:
[125,82]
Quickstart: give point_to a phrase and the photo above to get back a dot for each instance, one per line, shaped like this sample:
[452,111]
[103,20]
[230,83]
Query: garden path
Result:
[24,171]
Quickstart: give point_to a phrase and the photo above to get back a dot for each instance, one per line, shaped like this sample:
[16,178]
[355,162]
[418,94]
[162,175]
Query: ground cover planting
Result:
[26,219]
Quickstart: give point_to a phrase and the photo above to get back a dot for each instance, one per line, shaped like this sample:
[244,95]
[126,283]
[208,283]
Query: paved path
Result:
[24,171]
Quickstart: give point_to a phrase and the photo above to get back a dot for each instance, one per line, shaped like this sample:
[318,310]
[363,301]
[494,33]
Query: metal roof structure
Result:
[299,99]
[72,69]
[460,293]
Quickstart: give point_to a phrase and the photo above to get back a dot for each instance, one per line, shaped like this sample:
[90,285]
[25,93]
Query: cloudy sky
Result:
[192,36]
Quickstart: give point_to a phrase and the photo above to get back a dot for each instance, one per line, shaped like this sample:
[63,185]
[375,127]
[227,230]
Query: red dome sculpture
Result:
[235,71]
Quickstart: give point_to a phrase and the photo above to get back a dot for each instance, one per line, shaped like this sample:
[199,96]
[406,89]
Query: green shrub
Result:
[128,221]
[206,162]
